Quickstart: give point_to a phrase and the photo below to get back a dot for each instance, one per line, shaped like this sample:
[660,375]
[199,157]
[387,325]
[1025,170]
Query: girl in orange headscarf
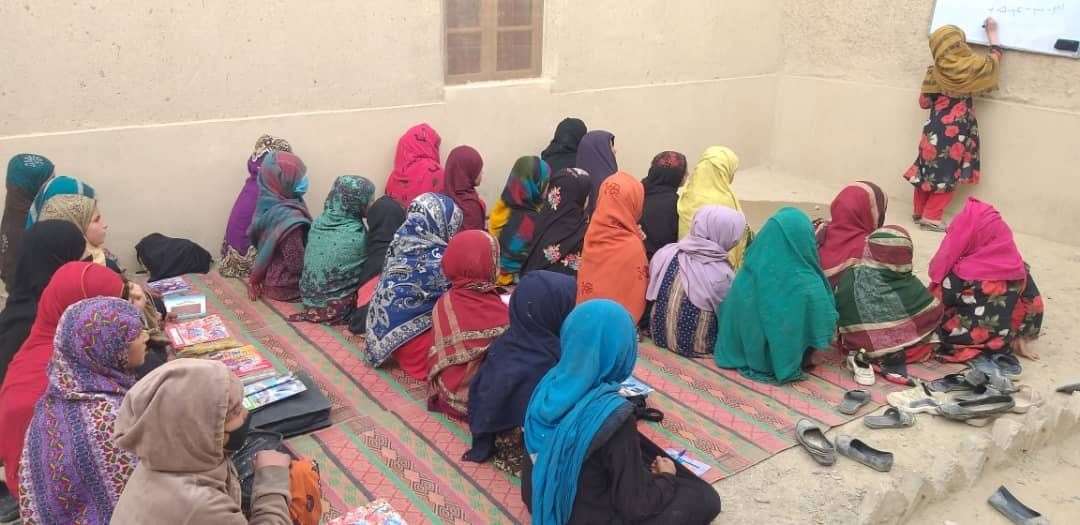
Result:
[949,147]
[613,263]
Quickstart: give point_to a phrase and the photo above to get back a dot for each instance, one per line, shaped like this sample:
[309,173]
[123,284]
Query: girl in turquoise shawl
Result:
[780,305]
[279,229]
[335,253]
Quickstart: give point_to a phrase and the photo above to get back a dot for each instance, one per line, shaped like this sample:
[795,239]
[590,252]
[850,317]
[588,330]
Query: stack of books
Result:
[169,286]
[204,330]
[245,363]
[271,390]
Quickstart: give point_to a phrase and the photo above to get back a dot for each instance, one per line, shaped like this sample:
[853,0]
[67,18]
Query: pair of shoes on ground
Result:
[860,367]
[813,440]
[977,407]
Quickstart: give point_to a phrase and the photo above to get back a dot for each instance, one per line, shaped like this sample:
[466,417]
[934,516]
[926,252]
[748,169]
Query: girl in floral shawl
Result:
[513,220]
[279,230]
[71,471]
[399,316]
[561,225]
[335,253]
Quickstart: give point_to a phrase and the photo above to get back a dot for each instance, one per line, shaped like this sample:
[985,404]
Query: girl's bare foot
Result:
[1021,347]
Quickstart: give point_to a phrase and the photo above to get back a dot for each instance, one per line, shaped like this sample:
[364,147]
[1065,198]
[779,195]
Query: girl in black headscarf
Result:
[660,220]
[47,246]
[384,217]
[562,152]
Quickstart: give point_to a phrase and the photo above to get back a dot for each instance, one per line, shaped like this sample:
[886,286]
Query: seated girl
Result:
[335,253]
[26,174]
[780,307]
[858,210]
[710,183]
[72,471]
[55,186]
[279,229]
[467,318]
[596,156]
[613,263]
[27,376]
[237,252]
[514,218]
[516,361]
[384,217]
[561,153]
[185,474]
[83,212]
[884,309]
[690,279]
[587,462]
[464,172]
[416,165]
[399,316]
[991,301]
[660,219]
[561,225]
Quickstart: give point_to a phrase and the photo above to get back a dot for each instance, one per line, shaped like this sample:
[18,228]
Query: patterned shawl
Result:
[957,70]
[463,167]
[660,218]
[61,185]
[467,318]
[514,220]
[26,173]
[243,209]
[335,255]
[279,210]
[704,269]
[500,392]
[711,184]
[561,225]
[562,152]
[416,165]
[883,307]
[71,470]
[412,278]
[779,305]
[573,400]
[858,210]
[613,263]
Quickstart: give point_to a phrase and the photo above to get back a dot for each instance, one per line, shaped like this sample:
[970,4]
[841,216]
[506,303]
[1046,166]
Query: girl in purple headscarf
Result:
[71,472]
[237,253]
[596,155]
[690,279]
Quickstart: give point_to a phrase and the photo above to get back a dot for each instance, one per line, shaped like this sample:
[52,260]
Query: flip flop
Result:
[1008,364]
[950,383]
[892,418]
[857,450]
[853,401]
[931,227]
[980,408]
[813,440]
[916,400]
[1069,388]
[1004,502]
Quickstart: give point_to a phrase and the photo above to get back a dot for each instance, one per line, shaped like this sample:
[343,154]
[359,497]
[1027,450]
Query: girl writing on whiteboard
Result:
[949,147]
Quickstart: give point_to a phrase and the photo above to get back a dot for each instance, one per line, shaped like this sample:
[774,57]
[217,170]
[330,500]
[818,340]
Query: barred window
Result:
[493,39]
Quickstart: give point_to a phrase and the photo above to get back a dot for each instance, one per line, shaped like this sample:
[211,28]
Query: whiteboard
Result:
[1024,25]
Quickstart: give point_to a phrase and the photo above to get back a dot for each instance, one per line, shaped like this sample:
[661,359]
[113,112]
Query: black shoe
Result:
[9,508]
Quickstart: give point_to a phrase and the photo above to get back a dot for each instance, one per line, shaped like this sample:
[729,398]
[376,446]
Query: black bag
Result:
[305,412]
[244,461]
[166,257]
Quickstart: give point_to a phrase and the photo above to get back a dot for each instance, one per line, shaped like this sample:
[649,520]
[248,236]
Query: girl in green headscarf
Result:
[780,305]
[26,174]
[335,254]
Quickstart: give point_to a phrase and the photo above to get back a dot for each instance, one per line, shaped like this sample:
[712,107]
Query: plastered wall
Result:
[847,108]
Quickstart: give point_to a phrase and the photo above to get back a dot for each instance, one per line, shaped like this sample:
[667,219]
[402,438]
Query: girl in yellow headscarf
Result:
[949,147]
[711,184]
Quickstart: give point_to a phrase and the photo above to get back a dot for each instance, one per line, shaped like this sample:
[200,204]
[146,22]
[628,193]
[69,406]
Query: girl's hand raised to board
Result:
[991,26]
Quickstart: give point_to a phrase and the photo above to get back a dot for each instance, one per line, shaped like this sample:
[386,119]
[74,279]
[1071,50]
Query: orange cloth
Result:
[305,492]
[613,262]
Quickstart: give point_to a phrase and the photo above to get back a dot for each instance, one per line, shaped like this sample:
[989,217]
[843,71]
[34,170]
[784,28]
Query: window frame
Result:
[489,45]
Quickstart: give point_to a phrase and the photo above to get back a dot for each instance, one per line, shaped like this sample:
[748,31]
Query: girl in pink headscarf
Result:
[416,165]
[991,301]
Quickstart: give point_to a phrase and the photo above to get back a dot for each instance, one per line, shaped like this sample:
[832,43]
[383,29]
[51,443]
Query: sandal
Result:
[1004,502]
[1008,365]
[976,409]
[857,450]
[861,369]
[892,418]
[813,440]
[931,226]
[950,383]
[853,401]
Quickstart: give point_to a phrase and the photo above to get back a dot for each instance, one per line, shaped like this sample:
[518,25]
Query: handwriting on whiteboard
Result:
[1022,10]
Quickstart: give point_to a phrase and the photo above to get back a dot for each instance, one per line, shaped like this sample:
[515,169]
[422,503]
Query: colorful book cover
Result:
[274,394]
[169,286]
[633,387]
[185,305]
[255,388]
[197,331]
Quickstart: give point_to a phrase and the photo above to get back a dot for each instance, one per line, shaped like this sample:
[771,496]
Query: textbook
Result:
[272,390]
[245,363]
[185,305]
[169,286]
[196,331]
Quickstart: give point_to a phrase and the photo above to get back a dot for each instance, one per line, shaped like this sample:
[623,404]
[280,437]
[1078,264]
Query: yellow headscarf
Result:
[78,210]
[957,70]
[711,184]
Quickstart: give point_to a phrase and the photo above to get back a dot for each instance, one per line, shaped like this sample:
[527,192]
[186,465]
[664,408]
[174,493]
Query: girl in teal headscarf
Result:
[780,305]
[62,185]
[26,173]
[335,254]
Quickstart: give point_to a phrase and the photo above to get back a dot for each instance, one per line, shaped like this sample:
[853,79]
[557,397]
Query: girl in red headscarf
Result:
[856,212]
[467,318]
[416,165]
[464,171]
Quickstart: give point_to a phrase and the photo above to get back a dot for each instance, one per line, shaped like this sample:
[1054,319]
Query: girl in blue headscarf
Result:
[586,461]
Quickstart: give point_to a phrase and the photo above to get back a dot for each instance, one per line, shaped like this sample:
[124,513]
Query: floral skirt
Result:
[987,315]
[235,265]
[510,451]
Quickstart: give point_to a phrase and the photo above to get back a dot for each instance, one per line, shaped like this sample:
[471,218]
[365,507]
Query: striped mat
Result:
[384,443]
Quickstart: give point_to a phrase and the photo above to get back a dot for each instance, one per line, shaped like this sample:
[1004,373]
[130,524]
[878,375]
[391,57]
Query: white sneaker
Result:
[863,372]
